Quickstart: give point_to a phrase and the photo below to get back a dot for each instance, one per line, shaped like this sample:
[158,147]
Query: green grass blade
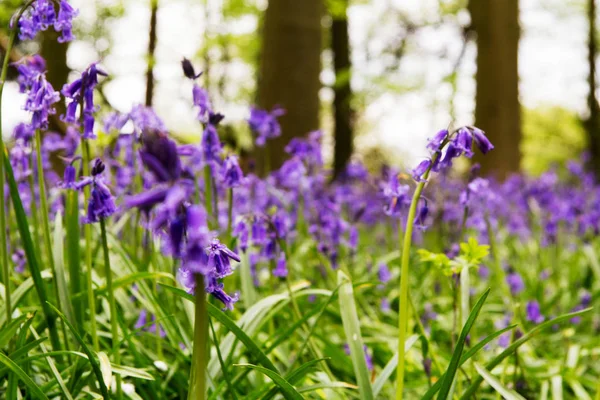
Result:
[472,351]
[8,332]
[19,293]
[506,393]
[59,266]
[220,316]
[515,345]
[460,344]
[293,378]
[288,391]
[72,238]
[390,367]
[35,389]
[32,260]
[94,363]
[249,295]
[353,336]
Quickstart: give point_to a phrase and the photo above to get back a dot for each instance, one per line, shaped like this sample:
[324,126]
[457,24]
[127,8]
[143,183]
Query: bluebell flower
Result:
[383,273]
[202,101]
[515,283]
[101,203]
[81,92]
[420,170]
[533,312]
[41,15]
[280,270]
[232,173]
[264,124]
[188,69]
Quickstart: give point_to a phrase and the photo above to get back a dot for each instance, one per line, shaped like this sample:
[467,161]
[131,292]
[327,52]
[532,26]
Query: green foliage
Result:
[471,256]
[551,137]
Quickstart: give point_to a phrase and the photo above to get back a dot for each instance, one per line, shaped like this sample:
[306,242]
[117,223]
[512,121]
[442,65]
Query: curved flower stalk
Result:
[445,146]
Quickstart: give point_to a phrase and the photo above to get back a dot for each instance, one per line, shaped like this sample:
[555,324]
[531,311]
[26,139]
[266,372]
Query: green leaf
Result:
[35,389]
[72,238]
[19,293]
[353,336]
[436,387]
[59,266]
[87,351]
[288,391]
[8,332]
[506,393]
[220,316]
[32,260]
[460,344]
[515,345]
[390,367]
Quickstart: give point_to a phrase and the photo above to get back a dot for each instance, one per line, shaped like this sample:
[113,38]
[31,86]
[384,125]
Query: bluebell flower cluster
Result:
[264,124]
[41,15]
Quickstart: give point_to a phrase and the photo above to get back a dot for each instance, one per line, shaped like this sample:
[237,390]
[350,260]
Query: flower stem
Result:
[88,252]
[200,350]
[403,318]
[114,325]
[208,202]
[229,212]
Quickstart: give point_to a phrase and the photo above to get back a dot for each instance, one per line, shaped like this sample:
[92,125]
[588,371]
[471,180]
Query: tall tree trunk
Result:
[57,73]
[290,68]
[592,124]
[498,111]
[151,51]
[342,107]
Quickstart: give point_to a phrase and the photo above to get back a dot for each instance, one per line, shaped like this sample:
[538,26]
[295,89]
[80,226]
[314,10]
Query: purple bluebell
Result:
[232,173]
[202,101]
[383,273]
[435,142]
[41,96]
[188,69]
[41,14]
[515,283]
[533,312]
[80,92]
[264,124]
[280,270]
[101,203]
[395,195]
[482,142]
[420,170]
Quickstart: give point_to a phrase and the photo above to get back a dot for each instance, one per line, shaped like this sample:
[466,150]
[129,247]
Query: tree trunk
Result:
[342,107]
[498,111]
[151,51]
[289,73]
[57,71]
[592,124]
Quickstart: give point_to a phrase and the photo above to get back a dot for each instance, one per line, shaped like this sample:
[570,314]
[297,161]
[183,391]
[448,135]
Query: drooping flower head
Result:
[41,96]
[81,92]
[188,69]
[41,15]
[264,124]
[101,203]
[232,173]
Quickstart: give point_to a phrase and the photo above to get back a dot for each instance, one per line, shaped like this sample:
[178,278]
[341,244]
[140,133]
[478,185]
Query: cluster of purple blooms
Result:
[42,14]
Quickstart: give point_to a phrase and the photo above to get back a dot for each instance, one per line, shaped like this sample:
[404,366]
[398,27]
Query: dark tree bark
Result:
[592,124]
[289,73]
[342,107]
[498,111]
[57,69]
[151,51]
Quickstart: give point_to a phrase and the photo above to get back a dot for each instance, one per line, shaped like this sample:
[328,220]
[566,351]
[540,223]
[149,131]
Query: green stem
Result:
[208,202]
[44,210]
[87,229]
[114,323]
[229,212]
[200,349]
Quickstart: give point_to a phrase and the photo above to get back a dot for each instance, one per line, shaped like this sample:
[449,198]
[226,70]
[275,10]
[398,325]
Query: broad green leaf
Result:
[288,391]
[390,367]
[353,336]
[32,260]
[87,351]
[515,345]
[59,266]
[8,332]
[35,389]
[220,316]
[506,393]
[450,373]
